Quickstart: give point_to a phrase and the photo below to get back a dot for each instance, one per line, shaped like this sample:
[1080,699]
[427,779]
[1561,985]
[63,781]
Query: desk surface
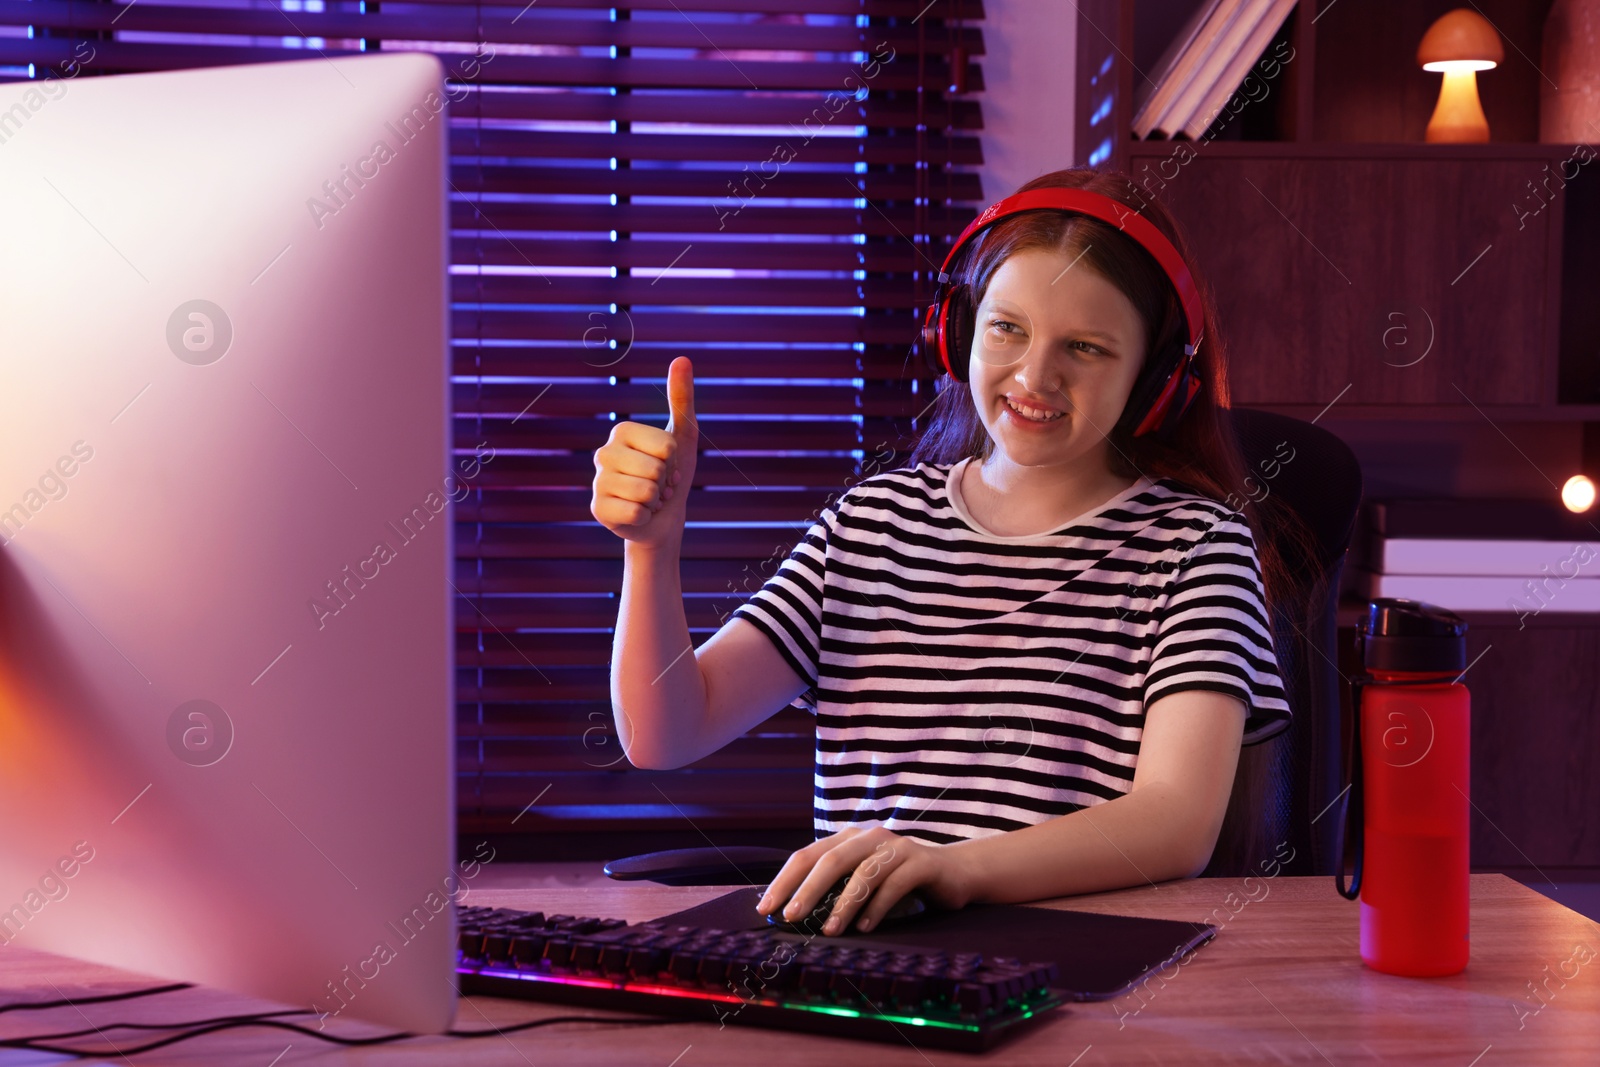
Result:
[1281,983]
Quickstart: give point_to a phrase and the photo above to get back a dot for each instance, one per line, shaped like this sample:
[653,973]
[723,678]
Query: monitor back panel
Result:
[225,475]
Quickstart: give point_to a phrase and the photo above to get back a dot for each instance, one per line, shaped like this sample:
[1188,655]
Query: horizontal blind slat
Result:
[495,250]
[891,221]
[572,505]
[971,11]
[592,541]
[689,327]
[124,56]
[732,109]
[743,435]
[661,290]
[876,398]
[469,178]
[823,144]
[651,361]
[499,24]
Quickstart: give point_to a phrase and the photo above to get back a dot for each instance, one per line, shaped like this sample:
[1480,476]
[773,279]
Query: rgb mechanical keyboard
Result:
[844,986]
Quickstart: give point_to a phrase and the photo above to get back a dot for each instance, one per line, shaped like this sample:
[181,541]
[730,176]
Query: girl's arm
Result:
[1164,827]
[675,704]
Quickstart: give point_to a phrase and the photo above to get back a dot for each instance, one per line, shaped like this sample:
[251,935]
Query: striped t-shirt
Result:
[966,684]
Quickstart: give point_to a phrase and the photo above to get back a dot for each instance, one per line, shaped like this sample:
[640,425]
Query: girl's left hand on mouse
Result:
[883,867]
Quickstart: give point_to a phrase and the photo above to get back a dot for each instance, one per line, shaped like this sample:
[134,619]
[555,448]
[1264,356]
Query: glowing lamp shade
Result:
[1459,44]
[1578,493]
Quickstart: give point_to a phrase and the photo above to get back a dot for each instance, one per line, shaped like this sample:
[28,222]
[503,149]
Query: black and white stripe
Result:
[966,684]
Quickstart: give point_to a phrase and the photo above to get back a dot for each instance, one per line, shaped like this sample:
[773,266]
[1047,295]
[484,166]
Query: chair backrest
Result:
[1282,809]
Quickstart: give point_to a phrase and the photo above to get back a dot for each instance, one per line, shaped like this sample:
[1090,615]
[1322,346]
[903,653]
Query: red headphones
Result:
[1169,382]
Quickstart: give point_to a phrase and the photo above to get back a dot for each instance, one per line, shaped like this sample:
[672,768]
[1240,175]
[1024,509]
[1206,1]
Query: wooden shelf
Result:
[1358,150]
[1340,412]
[1317,213]
[1332,235]
[1341,71]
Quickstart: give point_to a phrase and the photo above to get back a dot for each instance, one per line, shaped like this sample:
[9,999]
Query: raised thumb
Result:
[680,399]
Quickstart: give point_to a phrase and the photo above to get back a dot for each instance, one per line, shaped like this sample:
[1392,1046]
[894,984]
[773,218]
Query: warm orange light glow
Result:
[1449,65]
[1578,493]
[1459,44]
[1458,117]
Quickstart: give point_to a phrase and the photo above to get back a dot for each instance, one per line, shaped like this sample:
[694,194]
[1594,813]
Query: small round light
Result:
[1578,493]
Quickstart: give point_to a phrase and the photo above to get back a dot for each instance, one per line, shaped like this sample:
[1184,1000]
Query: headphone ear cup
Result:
[956,340]
[929,346]
[1148,389]
[1183,391]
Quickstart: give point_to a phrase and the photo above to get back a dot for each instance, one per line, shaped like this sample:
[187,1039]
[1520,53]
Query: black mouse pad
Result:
[1099,956]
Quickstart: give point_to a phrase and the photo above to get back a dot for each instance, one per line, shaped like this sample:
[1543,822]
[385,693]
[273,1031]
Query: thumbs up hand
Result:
[642,474]
[681,423]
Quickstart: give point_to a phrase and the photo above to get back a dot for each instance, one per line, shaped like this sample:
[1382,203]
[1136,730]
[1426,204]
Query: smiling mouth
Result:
[1032,414]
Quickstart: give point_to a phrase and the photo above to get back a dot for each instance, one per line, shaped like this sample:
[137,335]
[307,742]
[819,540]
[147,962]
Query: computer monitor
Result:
[226,691]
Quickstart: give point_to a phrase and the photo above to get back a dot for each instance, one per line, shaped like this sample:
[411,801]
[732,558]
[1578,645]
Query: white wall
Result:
[1028,102]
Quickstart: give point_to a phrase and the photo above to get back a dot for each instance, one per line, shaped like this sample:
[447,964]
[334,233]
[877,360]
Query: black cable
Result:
[42,1004]
[235,1022]
[92,1029]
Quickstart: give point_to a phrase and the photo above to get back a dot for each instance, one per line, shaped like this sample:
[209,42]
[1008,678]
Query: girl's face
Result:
[1057,339]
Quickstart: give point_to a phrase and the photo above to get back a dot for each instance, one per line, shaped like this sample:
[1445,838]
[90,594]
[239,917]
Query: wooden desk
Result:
[1281,983]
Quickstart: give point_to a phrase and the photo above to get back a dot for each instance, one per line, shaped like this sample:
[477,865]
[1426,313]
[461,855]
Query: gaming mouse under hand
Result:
[906,907]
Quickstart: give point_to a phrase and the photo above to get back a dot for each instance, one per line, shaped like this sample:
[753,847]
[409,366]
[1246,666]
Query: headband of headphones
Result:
[1106,209]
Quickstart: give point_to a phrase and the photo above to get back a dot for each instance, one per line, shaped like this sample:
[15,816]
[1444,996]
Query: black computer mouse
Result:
[906,907]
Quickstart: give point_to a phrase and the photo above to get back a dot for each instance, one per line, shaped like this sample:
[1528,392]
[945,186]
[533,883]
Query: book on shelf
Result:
[1241,58]
[1205,63]
[1521,596]
[1520,556]
[1177,64]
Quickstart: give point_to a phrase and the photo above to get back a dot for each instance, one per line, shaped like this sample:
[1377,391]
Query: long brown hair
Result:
[1204,452]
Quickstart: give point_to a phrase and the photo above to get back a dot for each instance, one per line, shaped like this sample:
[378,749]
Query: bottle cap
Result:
[1398,634]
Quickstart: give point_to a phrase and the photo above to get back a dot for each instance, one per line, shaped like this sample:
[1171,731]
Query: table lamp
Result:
[1459,43]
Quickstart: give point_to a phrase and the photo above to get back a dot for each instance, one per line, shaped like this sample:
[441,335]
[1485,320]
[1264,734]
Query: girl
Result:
[1032,652]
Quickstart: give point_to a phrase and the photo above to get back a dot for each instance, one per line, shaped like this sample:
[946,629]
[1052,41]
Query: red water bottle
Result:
[1409,816]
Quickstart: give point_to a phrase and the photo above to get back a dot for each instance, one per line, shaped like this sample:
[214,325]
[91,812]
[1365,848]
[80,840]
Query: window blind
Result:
[766,186]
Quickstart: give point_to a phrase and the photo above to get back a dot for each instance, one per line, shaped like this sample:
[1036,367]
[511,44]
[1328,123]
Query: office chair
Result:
[1287,781]
[1289,774]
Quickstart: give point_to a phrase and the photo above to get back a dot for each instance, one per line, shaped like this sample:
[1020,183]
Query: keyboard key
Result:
[497,946]
[875,987]
[973,999]
[845,986]
[713,971]
[646,962]
[585,957]
[785,973]
[558,951]
[684,965]
[469,940]
[996,982]
[908,990]
[528,950]
[814,981]
[940,986]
